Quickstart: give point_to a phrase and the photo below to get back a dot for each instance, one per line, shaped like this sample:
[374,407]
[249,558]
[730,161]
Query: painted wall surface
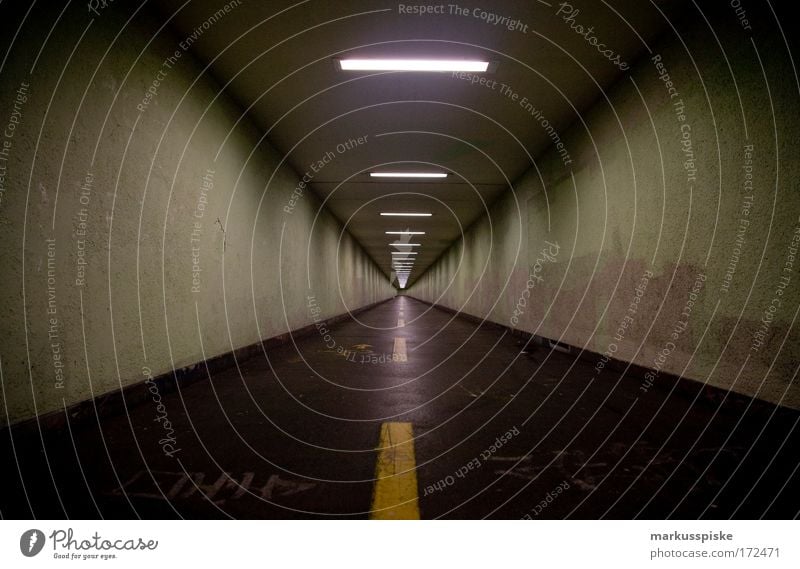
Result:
[670,240]
[144,224]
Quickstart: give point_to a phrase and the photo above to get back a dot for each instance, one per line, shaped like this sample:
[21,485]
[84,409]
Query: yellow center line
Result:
[395,494]
[399,352]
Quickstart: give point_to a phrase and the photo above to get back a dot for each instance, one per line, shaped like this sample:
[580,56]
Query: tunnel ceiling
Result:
[277,61]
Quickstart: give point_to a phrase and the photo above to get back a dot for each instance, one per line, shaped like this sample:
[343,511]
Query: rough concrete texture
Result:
[627,207]
[111,202]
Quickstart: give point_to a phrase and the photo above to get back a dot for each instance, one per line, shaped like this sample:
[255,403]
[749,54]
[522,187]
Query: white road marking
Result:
[399,352]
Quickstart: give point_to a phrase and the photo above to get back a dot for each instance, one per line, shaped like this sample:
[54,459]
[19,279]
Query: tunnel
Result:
[309,260]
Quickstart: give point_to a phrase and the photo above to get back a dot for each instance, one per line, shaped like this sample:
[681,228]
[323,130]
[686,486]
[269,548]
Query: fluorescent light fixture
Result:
[405,233]
[396,244]
[473,65]
[408,174]
[409,214]
[404,252]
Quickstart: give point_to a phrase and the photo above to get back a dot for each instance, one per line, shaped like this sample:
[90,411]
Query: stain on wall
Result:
[677,224]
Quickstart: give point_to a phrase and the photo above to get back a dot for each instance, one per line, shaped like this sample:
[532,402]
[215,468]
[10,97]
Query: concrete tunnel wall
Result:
[624,216]
[133,310]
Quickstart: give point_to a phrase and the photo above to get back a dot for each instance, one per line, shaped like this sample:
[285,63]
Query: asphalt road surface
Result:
[410,411]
